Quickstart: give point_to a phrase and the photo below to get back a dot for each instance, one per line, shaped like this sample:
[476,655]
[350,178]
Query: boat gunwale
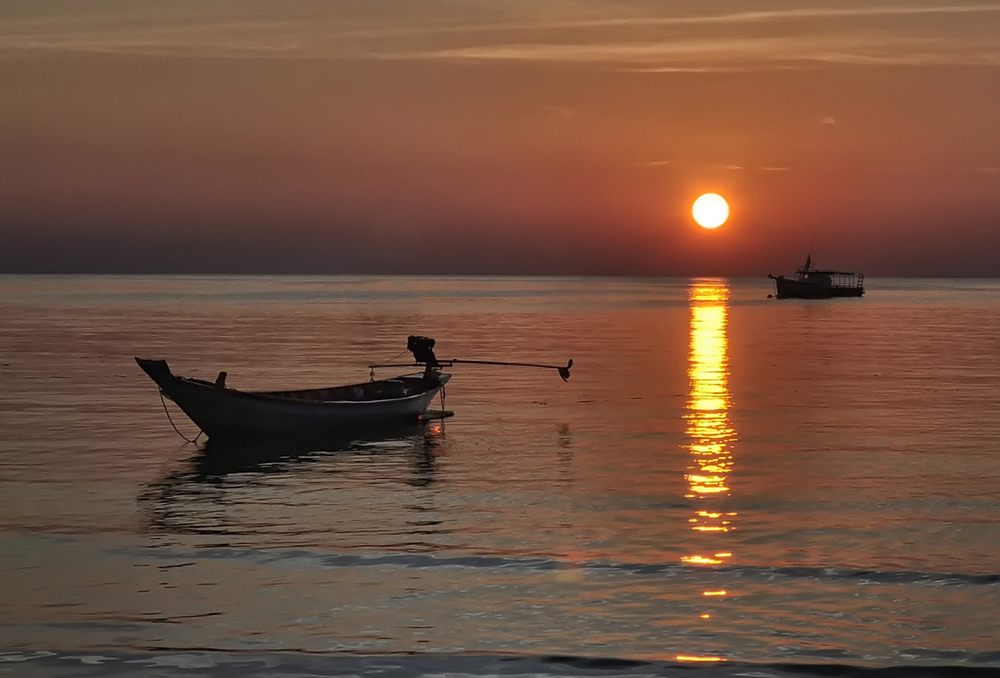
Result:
[281,396]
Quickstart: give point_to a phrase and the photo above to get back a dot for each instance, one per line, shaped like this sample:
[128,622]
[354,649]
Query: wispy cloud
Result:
[560,112]
[729,54]
[646,20]
[634,36]
[975,57]
[208,39]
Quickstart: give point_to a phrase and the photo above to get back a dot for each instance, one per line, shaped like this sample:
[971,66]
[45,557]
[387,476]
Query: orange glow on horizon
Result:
[582,151]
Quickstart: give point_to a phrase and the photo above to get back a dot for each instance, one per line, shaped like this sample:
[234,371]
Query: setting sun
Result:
[710,210]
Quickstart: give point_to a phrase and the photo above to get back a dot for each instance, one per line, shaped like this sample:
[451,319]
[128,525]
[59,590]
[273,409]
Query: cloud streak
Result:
[730,54]
[652,20]
[577,33]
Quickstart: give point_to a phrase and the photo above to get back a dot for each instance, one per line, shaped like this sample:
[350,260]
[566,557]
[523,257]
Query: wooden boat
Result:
[812,283]
[228,414]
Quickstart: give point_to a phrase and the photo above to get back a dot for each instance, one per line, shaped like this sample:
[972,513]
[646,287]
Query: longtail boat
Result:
[230,414]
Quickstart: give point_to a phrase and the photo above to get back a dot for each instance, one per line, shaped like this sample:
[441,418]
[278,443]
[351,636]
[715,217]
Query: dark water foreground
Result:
[758,488]
[194,664]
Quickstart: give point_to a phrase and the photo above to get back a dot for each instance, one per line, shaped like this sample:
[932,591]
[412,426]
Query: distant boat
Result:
[811,283]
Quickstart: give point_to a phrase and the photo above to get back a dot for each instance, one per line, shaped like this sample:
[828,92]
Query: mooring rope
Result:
[170,419]
[371,369]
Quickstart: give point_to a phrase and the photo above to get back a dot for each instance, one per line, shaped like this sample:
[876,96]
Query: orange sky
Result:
[507,136]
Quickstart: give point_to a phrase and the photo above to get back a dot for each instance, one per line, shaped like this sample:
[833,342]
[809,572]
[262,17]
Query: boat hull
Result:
[787,288]
[228,414]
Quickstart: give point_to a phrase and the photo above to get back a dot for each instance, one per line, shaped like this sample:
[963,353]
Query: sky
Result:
[499,136]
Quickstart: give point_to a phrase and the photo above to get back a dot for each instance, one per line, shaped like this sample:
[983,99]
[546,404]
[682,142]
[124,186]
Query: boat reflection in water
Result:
[710,432]
[270,456]
[263,487]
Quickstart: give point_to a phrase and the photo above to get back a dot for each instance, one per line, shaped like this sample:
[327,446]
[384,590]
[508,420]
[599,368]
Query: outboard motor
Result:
[422,349]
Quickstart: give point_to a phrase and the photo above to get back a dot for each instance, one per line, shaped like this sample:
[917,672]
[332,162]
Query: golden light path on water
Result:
[709,430]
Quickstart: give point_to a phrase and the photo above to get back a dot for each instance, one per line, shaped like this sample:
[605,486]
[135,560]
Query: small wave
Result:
[169,662]
[549,564]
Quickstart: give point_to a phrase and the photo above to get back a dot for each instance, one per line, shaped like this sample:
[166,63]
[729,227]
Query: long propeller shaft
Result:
[563,371]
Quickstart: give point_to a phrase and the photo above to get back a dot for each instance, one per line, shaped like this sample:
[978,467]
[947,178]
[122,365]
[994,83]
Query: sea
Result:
[727,485]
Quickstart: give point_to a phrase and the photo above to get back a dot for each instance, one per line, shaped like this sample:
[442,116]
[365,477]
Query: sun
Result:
[710,210]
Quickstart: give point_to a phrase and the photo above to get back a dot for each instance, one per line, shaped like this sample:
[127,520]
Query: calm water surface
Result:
[724,477]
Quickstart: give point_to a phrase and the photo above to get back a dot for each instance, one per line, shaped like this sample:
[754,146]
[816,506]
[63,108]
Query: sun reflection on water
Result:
[710,432]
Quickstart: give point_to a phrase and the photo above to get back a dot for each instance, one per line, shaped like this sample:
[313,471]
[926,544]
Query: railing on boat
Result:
[847,280]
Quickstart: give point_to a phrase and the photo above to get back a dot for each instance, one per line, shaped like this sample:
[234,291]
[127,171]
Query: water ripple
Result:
[543,564]
[186,662]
